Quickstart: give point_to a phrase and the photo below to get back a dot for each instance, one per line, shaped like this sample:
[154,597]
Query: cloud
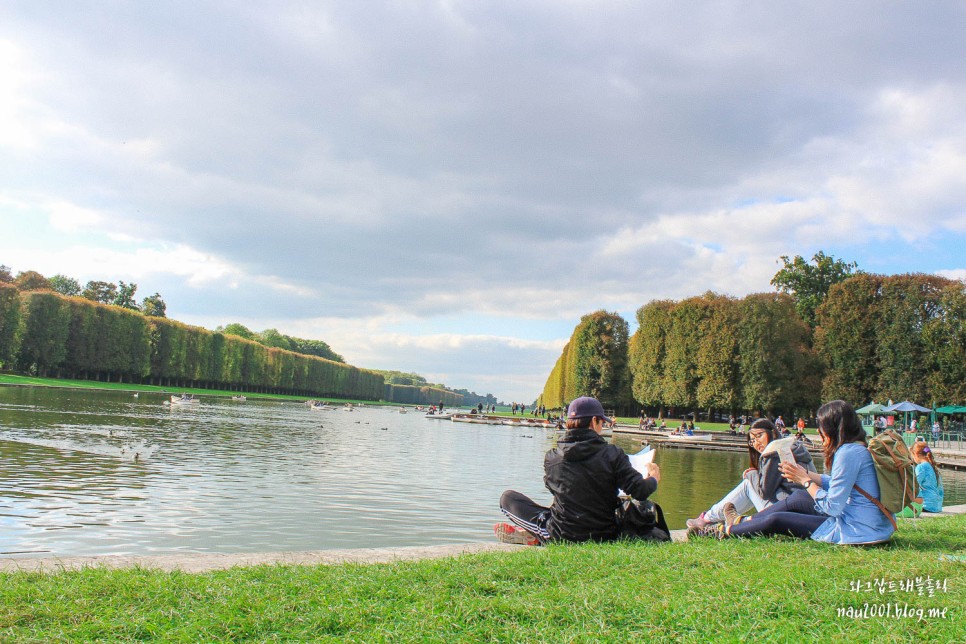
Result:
[954,274]
[529,162]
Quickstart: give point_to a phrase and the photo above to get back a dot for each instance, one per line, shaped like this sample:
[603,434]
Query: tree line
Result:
[406,379]
[871,337]
[120,294]
[49,334]
[74,339]
[273,338]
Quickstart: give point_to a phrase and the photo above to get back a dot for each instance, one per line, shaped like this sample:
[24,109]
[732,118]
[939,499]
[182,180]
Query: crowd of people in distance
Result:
[598,494]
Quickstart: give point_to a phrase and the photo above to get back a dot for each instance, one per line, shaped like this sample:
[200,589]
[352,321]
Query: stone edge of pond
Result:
[205,562]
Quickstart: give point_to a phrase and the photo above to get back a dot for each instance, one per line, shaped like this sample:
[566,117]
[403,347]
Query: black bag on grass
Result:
[642,521]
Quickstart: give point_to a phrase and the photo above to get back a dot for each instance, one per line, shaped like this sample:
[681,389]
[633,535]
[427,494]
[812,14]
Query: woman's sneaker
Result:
[506,533]
[714,530]
[694,525]
[731,514]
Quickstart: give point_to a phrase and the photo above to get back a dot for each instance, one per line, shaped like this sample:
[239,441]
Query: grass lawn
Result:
[758,589]
[9,379]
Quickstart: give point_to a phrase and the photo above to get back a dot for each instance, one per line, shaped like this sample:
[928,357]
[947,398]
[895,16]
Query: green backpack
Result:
[896,471]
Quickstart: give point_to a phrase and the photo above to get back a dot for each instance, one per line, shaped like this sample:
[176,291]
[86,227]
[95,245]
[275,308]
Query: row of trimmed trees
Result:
[901,337]
[46,333]
[425,395]
[876,337]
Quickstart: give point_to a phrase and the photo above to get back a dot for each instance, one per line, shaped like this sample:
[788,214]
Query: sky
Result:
[447,187]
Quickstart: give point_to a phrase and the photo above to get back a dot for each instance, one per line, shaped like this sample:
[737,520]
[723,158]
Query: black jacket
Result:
[584,473]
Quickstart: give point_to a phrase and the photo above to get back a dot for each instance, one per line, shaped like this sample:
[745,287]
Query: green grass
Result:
[759,590]
[9,379]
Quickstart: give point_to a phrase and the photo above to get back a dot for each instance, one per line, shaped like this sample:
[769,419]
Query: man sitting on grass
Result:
[584,473]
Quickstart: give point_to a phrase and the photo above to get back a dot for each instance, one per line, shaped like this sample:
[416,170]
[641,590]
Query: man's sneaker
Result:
[697,524]
[731,514]
[507,533]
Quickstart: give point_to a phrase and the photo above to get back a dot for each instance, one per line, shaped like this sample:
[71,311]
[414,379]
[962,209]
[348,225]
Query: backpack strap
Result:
[889,516]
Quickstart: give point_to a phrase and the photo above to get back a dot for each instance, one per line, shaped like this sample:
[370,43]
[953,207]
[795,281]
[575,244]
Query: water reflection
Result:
[228,477]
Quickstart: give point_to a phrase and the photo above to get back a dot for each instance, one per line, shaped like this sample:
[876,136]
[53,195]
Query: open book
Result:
[640,461]
[784,448]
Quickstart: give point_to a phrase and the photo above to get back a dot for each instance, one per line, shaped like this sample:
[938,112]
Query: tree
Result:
[9,324]
[600,364]
[717,349]
[315,348]
[779,372]
[5,275]
[909,303]
[809,283]
[31,281]
[846,339]
[647,351]
[46,320]
[945,339]
[65,285]
[125,295]
[688,324]
[272,338]
[103,292]
[153,306]
[240,330]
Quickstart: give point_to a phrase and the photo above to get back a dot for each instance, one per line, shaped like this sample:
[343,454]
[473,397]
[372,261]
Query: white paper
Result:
[640,461]
[784,448]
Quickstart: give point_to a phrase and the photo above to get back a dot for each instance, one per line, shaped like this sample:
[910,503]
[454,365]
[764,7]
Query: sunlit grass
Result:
[756,590]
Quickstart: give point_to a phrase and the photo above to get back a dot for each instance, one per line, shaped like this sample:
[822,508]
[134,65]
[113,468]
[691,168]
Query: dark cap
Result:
[586,407]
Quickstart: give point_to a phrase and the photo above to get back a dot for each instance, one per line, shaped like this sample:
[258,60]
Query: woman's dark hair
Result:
[839,423]
[579,423]
[769,428]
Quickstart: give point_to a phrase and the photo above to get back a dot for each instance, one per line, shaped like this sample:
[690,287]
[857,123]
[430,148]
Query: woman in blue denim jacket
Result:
[829,509]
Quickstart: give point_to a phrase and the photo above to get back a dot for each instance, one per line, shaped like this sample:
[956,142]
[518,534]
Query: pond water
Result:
[93,473]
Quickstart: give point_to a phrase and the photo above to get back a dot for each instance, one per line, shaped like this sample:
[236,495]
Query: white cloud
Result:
[954,274]
[420,161]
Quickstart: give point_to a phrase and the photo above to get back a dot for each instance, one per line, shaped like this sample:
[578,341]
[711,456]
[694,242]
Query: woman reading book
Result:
[829,508]
[761,484]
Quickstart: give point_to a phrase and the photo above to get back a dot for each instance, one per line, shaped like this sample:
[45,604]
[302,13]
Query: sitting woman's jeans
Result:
[744,497]
[794,516]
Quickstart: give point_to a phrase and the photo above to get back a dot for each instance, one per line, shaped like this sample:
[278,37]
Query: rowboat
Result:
[239,398]
[478,419]
[184,399]
[686,438]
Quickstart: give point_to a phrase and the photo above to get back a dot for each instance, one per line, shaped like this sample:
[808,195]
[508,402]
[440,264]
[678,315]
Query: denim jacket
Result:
[852,517]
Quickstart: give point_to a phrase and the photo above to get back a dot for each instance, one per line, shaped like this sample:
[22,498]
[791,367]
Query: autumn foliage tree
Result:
[898,337]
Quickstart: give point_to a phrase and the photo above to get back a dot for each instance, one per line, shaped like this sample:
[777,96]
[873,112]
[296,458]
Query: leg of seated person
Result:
[744,497]
[523,512]
[792,524]
[794,515]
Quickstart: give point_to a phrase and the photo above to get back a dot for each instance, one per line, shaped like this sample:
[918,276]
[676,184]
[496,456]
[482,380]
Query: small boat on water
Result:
[478,419]
[607,432]
[529,422]
[693,437]
[239,398]
[439,416]
[184,399]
